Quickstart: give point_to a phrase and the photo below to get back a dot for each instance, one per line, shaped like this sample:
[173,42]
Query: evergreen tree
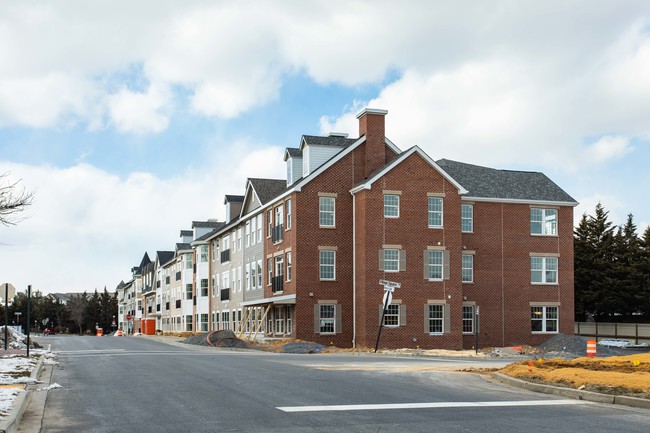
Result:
[584,258]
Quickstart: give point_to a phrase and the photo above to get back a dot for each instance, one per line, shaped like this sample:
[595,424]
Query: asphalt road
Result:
[140,384]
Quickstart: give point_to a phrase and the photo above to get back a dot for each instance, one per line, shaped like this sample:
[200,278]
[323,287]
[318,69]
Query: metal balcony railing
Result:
[277,234]
[225,294]
[225,256]
[277,284]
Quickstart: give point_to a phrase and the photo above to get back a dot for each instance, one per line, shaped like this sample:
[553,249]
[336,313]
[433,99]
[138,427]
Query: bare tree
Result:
[13,200]
[77,307]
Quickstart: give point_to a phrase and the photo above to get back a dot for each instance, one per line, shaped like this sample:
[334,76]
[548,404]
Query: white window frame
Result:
[467,268]
[545,219]
[467,218]
[391,210]
[323,254]
[391,260]
[288,263]
[433,212]
[247,276]
[324,211]
[392,316]
[432,265]
[289,214]
[205,286]
[436,320]
[469,318]
[325,320]
[247,234]
[543,314]
[548,268]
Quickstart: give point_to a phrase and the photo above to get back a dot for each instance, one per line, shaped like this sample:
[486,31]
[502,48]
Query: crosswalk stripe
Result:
[436,405]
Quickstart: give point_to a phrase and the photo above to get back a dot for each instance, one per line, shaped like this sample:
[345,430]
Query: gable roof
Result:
[268,189]
[208,224]
[292,152]
[367,184]
[233,199]
[508,185]
[332,140]
[164,256]
[183,247]
[208,235]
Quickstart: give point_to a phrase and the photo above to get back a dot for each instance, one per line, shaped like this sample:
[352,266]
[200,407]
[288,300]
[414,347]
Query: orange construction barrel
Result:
[100,332]
[591,348]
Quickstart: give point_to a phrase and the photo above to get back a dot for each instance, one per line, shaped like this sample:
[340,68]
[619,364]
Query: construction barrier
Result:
[119,333]
[591,348]
[100,332]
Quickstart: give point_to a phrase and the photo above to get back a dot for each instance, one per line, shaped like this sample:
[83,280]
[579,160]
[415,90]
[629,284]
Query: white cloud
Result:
[87,227]
[607,148]
[139,112]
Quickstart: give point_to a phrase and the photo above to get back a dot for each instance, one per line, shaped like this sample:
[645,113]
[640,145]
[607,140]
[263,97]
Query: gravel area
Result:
[574,346]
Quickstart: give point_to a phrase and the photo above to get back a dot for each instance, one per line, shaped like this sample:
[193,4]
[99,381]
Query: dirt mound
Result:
[619,375]
[303,347]
[574,346]
[224,338]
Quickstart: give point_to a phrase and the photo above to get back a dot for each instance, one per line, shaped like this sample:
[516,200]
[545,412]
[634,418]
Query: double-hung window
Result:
[327,265]
[436,318]
[435,212]
[288,206]
[543,270]
[327,318]
[434,266]
[288,259]
[544,318]
[543,221]
[391,260]
[468,319]
[391,315]
[468,268]
[204,287]
[391,206]
[327,211]
[467,218]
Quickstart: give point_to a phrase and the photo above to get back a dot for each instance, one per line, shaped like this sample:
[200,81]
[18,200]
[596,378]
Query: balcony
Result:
[277,284]
[225,256]
[178,276]
[225,294]
[178,303]
[277,234]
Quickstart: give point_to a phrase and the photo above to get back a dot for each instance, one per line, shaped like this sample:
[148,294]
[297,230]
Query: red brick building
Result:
[473,249]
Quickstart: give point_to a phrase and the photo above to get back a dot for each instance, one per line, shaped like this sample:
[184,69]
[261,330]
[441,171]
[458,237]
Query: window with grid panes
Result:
[436,318]
[327,318]
[467,268]
[391,315]
[326,214]
[327,264]
[434,264]
[543,270]
[543,221]
[435,212]
[468,319]
[467,218]
[391,206]
[544,319]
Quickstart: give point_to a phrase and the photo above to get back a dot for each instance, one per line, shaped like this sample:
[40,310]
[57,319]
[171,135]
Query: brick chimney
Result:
[372,125]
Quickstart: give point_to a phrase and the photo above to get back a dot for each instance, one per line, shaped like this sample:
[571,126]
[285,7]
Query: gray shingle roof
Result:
[328,141]
[268,189]
[294,152]
[187,233]
[183,246]
[484,182]
[164,256]
[233,198]
[207,224]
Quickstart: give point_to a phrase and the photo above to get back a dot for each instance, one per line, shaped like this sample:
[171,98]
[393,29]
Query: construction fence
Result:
[636,332]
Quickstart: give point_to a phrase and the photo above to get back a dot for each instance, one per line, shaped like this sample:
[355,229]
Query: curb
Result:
[578,394]
[10,424]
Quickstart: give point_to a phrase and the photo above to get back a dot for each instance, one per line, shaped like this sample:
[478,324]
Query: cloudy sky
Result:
[130,119]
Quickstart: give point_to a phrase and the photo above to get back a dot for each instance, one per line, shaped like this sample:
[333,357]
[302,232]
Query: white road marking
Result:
[436,405]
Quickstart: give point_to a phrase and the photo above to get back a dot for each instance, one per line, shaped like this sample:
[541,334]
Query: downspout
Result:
[354,271]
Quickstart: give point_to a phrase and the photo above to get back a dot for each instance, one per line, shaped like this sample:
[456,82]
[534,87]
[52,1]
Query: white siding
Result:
[315,156]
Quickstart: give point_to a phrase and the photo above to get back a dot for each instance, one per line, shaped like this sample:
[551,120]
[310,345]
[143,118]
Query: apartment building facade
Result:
[471,253]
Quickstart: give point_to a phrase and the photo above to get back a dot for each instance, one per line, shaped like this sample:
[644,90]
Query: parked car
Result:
[49,332]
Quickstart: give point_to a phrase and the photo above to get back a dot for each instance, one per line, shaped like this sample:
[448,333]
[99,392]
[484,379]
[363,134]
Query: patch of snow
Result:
[53,386]
[7,398]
